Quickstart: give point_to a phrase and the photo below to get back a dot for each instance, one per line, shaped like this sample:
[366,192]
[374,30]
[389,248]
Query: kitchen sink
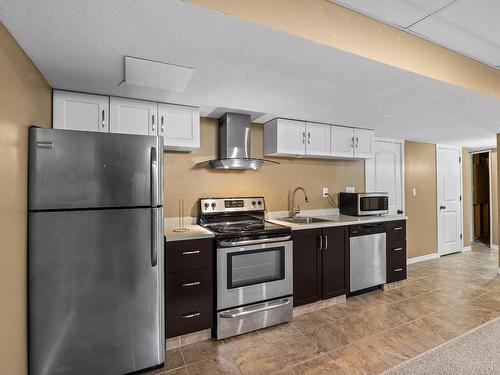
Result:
[302,220]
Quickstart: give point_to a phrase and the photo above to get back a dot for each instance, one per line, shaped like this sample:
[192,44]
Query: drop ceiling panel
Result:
[470,27]
[401,13]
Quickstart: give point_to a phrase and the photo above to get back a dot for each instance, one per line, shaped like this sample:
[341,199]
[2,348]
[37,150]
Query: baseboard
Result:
[304,309]
[422,258]
[466,249]
[494,247]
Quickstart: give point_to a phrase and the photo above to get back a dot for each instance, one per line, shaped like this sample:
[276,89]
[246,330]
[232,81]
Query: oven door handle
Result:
[254,242]
[259,308]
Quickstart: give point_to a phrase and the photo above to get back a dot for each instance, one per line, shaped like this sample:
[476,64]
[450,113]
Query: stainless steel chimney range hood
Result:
[234,144]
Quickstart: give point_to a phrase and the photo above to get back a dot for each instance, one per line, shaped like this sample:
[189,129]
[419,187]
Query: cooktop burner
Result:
[237,217]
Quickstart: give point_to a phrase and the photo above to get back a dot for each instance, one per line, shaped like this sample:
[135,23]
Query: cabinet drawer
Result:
[396,253]
[188,285]
[396,230]
[396,272]
[189,317]
[188,255]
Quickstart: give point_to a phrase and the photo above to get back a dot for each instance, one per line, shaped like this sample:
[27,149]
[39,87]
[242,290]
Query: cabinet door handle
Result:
[162,126]
[325,248]
[304,137]
[352,142]
[190,315]
[309,137]
[191,252]
[103,120]
[357,142]
[153,123]
[398,270]
[320,243]
[398,249]
[194,283]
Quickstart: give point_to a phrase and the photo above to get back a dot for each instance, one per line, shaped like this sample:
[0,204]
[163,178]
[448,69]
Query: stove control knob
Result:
[206,205]
[213,205]
[254,203]
[259,203]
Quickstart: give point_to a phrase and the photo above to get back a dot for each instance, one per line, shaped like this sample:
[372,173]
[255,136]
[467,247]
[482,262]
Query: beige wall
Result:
[420,173]
[183,178]
[25,98]
[333,25]
[466,194]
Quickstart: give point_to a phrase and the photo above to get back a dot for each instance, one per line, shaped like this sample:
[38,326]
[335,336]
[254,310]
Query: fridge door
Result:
[74,169]
[95,291]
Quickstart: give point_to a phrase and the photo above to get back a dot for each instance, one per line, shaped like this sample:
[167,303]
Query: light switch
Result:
[414,192]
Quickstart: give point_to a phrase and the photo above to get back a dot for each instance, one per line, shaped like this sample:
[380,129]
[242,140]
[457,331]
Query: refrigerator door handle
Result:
[156,234]
[154,177]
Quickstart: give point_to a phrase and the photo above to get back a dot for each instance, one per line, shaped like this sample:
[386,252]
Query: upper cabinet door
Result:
[76,111]
[133,116]
[180,127]
[342,142]
[363,141]
[317,139]
[285,137]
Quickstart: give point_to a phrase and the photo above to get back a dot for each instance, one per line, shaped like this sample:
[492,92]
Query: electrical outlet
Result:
[350,189]
[414,192]
[325,192]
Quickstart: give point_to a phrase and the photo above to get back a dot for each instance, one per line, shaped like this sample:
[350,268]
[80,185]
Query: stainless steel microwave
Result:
[362,204]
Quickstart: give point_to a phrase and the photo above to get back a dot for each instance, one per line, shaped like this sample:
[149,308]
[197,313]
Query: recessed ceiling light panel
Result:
[157,75]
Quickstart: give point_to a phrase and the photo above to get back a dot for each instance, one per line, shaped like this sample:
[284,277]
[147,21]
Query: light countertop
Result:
[339,220]
[195,232]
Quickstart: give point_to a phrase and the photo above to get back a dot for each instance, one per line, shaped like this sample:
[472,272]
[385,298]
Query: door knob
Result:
[442,207]
[400,212]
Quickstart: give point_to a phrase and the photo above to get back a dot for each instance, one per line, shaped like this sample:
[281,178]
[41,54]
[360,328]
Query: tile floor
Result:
[440,300]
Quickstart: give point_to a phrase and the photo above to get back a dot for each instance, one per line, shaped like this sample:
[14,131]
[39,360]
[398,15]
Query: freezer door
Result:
[95,291]
[75,169]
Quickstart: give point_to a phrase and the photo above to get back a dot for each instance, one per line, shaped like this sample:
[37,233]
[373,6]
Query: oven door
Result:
[253,271]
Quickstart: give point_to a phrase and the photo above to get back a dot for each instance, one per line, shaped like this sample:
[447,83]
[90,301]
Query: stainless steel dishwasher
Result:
[367,256]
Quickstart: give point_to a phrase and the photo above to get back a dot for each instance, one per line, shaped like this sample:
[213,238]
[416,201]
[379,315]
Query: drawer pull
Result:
[190,315]
[194,283]
[191,252]
[398,270]
[397,228]
[398,249]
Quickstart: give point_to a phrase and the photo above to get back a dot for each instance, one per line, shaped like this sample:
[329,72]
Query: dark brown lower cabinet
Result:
[319,264]
[396,250]
[188,286]
[334,261]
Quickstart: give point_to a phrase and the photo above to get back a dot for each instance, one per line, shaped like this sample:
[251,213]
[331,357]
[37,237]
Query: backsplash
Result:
[183,178]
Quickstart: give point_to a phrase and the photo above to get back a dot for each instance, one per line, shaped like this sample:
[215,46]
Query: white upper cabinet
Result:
[364,146]
[131,116]
[285,138]
[342,140]
[77,111]
[180,127]
[351,142]
[297,138]
[317,139]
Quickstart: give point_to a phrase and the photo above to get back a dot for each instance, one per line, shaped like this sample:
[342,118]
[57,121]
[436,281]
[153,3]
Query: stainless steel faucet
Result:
[295,211]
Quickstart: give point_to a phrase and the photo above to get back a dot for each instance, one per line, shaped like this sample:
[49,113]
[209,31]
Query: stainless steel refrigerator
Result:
[95,253]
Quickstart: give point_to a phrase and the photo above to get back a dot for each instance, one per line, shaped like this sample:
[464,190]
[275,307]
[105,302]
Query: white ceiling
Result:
[470,27]
[80,45]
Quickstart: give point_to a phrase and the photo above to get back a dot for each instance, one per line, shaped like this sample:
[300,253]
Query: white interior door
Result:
[384,173]
[449,191]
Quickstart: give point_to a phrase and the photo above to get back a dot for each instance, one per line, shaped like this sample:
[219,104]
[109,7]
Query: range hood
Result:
[234,144]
